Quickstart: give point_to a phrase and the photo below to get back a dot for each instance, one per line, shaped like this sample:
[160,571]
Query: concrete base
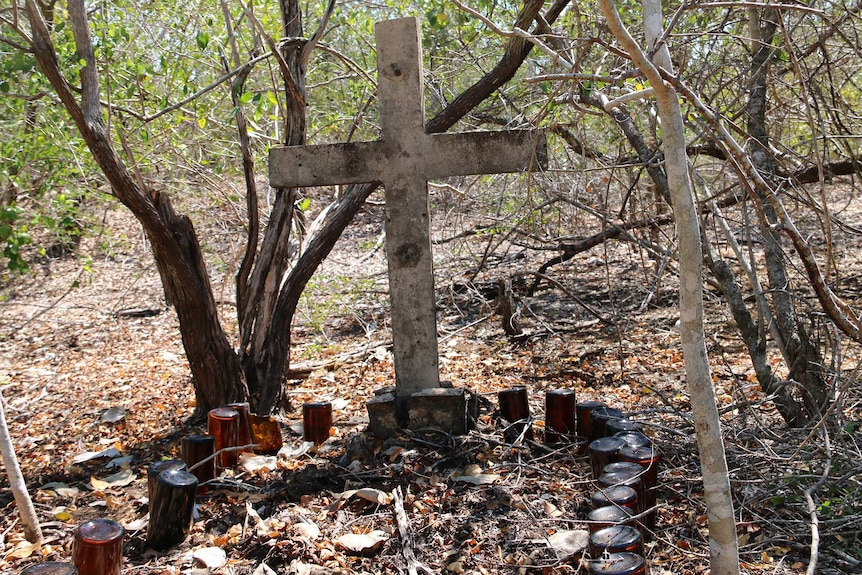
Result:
[443,408]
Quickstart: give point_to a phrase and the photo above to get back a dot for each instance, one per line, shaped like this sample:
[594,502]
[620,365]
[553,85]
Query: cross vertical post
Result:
[405,159]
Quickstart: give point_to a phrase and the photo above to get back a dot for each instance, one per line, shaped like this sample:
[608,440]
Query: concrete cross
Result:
[404,159]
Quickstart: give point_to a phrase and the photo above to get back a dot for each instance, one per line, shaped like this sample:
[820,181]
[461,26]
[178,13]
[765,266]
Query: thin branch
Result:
[836,308]
[630,97]
[84,46]
[812,507]
[208,88]
[287,76]
[305,54]
[758,5]
[516,33]
[15,45]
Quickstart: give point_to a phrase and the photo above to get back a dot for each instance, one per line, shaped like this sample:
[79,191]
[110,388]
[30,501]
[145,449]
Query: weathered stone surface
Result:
[404,160]
[443,408]
[382,418]
[439,408]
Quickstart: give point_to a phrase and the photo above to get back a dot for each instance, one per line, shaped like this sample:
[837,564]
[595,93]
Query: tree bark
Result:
[29,519]
[717,494]
[806,363]
[213,363]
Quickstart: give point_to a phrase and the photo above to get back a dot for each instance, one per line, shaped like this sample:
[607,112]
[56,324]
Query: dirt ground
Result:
[70,352]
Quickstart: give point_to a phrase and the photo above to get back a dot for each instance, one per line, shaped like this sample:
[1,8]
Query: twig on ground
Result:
[220,451]
[812,507]
[406,537]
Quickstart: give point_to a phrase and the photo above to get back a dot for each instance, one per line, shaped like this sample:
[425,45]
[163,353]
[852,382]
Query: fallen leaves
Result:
[119,479]
[210,557]
[473,474]
[362,543]
[568,543]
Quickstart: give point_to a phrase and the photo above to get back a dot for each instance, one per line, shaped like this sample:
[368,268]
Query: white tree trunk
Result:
[716,482]
[29,520]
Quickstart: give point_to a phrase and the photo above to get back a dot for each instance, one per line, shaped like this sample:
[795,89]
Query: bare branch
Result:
[318,34]
[90,104]
[516,33]
[836,308]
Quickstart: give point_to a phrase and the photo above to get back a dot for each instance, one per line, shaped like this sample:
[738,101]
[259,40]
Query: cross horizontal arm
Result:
[469,153]
[326,164]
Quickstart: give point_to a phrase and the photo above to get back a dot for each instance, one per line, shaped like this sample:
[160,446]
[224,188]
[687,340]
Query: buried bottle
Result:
[616,539]
[599,418]
[559,415]
[632,479]
[195,449]
[156,468]
[584,410]
[243,430]
[223,425]
[603,451]
[634,438]
[97,548]
[620,495]
[171,509]
[515,409]
[648,458]
[619,564]
[622,424]
[316,421]
[608,516]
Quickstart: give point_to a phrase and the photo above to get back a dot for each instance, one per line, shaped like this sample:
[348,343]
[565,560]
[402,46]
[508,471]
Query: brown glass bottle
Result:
[243,436]
[648,458]
[616,539]
[171,509]
[599,418]
[97,548]
[602,451]
[515,409]
[634,438]
[620,424]
[583,410]
[559,416]
[223,425]
[154,469]
[194,449]
[316,421]
[620,495]
[607,516]
[632,479]
[619,564]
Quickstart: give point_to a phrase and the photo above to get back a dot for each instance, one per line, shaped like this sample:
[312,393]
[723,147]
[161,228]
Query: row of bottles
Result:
[172,485]
[623,465]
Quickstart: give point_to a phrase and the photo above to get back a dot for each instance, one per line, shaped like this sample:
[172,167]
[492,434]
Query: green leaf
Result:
[246,97]
[203,40]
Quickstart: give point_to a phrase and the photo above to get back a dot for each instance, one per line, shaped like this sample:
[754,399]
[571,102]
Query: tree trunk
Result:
[29,519]
[716,481]
[806,363]
[213,363]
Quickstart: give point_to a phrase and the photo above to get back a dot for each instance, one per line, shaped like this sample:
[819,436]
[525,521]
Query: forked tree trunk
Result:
[213,363]
[805,362]
[267,295]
